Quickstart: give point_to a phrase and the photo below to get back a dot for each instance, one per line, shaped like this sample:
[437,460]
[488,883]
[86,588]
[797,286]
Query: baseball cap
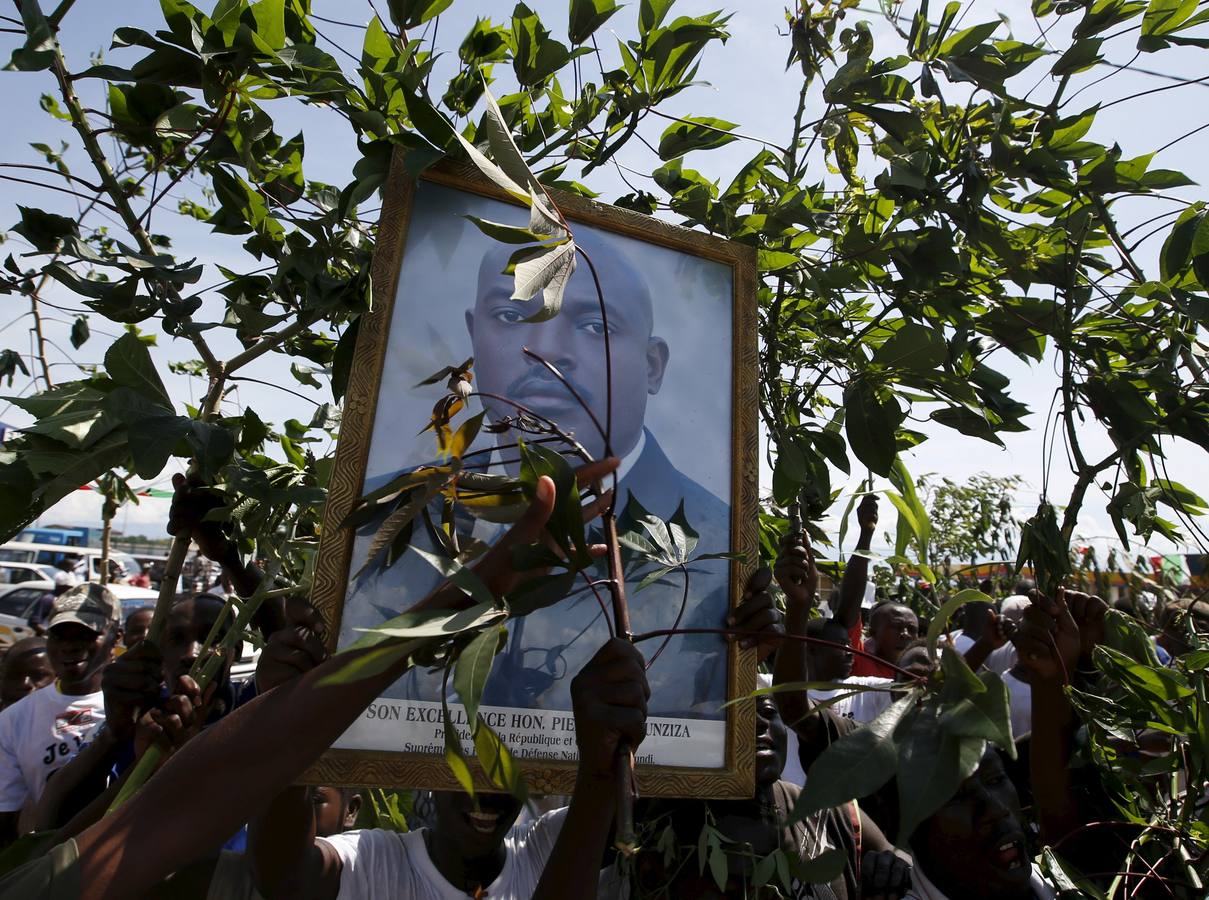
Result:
[89,604]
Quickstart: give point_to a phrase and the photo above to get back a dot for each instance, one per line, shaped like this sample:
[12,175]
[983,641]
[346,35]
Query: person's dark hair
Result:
[1125,605]
[914,645]
[26,645]
[885,605]
[1025,586]
[987,586]
[817,627]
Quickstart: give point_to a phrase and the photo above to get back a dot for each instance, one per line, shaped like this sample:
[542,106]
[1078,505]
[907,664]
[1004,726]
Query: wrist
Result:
[796,617]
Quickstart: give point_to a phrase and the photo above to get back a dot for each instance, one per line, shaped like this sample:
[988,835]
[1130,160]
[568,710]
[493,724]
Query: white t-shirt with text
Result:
[395,864]
[861,706]
[39,734]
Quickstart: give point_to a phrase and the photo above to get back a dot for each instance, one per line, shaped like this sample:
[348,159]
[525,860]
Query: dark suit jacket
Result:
[547,648]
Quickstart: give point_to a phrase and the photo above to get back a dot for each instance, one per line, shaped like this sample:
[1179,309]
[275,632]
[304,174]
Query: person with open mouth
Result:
[43,731]
[975,845]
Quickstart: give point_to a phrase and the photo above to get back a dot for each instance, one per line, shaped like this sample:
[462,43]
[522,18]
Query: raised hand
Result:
[866,514]
[179,719]
[293,650]
[609,697]
[884,875]
[191,501]
[1048,639]
[795,572]
[757,611]
[497,569]
[1088,611]
[132,682]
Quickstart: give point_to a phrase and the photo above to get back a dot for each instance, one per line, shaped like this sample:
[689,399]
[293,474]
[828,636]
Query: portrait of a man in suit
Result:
[547,648]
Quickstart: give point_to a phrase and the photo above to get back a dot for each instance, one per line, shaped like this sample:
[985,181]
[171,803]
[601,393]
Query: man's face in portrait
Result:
[573,341]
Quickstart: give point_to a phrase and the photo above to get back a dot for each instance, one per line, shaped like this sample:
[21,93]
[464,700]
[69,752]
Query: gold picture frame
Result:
[399,769]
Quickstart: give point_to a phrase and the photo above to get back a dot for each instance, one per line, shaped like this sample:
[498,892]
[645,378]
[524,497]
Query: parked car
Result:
[17,572]
[16,603]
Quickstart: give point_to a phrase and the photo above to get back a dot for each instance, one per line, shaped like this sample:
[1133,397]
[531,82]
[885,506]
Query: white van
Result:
[87,559]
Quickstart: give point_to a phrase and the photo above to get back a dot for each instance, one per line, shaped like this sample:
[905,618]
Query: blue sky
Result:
[749,86]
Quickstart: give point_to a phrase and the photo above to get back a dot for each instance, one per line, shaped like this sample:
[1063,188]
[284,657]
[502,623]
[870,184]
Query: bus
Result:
[62,536]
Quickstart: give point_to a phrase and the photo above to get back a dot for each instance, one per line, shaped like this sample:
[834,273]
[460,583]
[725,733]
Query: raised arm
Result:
[991,639]
[131,684]
[285,858]
[191,501]
[1048,643]
[856,573]
[609,697]
[795,572]
[234,769]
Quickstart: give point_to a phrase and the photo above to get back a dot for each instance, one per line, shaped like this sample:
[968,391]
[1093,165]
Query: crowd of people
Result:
[223,817]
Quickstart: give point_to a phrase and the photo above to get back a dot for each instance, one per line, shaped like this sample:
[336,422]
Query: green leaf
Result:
[985,715]
[566,524]
[932,764]
[429,624]
[400,517]
[39,49]
[79,331]
[538,593]
[537,56]
[212,445]
[358,663]
[967,39]
[129,363]
[78,427]
[941,620]
[856,765]
[913,346]
[791,463]
[546,269]
[453,752]
[965,420]
[473,667]
[587,16]
[270,22]
[775,260]
[342,359]
[158,439]
[1164,17]
[70,468]
[46,231]
[651,14]
[870,421]
[459,574]
[496,760]
[410,13]
[1069,130]
[695,133]
[1080,56]
[509,234]
[1155,682]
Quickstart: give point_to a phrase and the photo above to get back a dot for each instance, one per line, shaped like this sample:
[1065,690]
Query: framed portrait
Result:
[681,315]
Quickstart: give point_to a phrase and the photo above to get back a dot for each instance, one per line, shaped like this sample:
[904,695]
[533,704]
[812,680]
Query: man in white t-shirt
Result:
[42,732]
[474,849]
